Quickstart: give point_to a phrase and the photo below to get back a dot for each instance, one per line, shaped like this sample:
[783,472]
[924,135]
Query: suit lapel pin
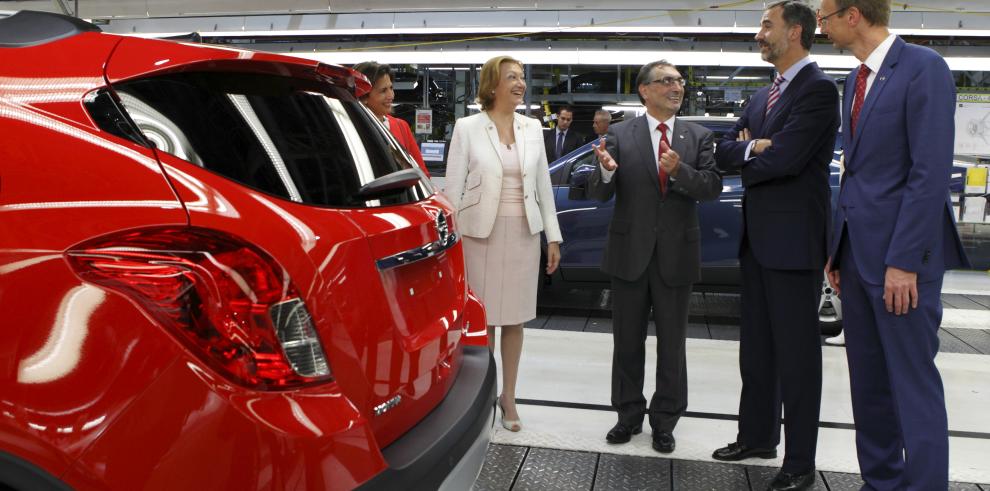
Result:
[883,78]
[682,136]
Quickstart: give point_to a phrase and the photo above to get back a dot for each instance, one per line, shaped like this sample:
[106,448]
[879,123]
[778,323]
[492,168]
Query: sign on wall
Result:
[424,121]
[973,124]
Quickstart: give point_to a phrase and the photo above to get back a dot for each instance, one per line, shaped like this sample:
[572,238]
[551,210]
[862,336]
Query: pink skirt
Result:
[503,270]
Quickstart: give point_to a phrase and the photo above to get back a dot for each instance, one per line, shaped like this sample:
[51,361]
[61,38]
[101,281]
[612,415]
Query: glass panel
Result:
[296,139]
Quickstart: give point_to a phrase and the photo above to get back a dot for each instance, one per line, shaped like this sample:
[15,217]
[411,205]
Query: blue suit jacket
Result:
[894,204]
[786,205]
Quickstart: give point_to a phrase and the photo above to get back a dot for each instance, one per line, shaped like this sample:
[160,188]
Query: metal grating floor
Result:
[515,468]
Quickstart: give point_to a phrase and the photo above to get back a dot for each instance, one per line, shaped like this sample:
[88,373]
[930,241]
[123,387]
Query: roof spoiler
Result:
[31,28]
[192,37]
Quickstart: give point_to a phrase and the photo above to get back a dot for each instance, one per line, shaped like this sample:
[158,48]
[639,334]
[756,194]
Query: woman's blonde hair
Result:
[489,79]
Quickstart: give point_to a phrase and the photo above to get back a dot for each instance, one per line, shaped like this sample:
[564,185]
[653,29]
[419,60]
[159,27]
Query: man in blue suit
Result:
[783,143]
[894,238]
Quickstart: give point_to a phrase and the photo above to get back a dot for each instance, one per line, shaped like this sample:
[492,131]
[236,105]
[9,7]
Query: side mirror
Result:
[579,181]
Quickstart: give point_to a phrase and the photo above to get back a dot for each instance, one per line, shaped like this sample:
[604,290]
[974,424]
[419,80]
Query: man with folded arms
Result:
[783,144]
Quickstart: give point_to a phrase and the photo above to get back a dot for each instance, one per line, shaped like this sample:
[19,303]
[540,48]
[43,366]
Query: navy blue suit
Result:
[894,210]
[782,254]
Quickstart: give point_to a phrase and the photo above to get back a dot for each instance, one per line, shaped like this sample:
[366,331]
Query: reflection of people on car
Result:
[783,146]
[563,140]
[499,183]
[379,101]
[658,167]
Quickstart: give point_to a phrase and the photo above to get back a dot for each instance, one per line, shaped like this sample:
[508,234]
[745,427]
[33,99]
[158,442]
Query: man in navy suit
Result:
[894,238]
[783,144]
[563,140]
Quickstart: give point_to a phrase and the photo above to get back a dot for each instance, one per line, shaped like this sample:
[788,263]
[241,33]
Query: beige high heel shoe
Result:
[513,425]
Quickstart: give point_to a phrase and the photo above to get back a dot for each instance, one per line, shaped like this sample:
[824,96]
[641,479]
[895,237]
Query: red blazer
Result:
[400,130]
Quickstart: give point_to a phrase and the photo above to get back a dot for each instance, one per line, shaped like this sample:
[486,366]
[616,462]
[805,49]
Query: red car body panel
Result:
[53,77]
[100,396]
[374,355]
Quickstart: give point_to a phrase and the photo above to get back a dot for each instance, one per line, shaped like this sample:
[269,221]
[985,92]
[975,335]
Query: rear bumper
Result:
[447,448]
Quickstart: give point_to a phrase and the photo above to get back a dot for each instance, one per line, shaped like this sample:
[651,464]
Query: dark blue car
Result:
[584,224]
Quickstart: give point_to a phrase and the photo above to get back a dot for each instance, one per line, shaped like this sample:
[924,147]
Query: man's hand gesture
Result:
[670,161]
[608,163]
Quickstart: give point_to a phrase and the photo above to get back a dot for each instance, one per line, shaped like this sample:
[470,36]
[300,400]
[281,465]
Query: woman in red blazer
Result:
[379,101]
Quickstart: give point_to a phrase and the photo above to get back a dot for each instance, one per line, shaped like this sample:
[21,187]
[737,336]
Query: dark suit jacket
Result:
[592,138]
[786,202]
[894,200]
[572,140]
[644,223]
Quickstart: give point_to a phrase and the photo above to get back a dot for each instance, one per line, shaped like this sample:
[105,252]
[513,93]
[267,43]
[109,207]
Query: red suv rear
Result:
[218,271]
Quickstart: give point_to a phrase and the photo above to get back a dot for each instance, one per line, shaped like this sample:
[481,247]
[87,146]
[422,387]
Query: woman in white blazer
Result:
[498,181]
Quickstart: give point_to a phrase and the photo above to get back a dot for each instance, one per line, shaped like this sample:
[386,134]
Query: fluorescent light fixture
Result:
[598,57]
[521,107]
[738,77]
[623,107]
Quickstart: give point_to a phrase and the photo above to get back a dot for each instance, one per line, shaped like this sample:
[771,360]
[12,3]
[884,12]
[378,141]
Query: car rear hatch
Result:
[278,152]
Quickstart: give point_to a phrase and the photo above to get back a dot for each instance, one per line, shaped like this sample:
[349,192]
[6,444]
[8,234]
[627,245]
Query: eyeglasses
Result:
[823,19]
[668,81]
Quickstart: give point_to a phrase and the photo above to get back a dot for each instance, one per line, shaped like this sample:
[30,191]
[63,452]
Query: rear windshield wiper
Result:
[389,184]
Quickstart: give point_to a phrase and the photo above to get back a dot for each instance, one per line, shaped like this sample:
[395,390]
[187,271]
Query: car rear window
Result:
[300,140]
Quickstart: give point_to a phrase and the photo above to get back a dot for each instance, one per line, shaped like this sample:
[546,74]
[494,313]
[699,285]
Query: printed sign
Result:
[972,124]
[424,121]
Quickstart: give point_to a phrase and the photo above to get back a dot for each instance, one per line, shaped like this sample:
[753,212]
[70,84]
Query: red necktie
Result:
[861,76]
[664,146]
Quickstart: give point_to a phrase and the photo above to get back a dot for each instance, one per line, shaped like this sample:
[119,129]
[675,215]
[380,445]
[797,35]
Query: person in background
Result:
[600,124]
[563,140]
[379,101]
[498,182]
[894,238]
[658,167]
[783,146]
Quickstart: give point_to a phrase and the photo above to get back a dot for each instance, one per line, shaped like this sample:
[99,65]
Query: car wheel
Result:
[829,310]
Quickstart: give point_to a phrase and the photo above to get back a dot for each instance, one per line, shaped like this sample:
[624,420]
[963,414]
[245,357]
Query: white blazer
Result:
[474,176]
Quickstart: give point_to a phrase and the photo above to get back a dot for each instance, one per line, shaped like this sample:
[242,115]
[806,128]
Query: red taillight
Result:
[229,302]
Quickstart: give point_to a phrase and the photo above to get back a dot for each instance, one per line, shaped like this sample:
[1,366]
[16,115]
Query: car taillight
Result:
[226,300]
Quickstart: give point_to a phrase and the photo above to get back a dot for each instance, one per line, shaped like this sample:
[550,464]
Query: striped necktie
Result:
[774,93]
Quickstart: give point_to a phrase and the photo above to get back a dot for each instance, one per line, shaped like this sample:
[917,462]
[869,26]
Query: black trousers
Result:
[780,360]
[631,303]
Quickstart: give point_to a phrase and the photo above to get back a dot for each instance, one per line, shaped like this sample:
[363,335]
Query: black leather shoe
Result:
[785,481]
[621,433]
[663,441]
[737,451]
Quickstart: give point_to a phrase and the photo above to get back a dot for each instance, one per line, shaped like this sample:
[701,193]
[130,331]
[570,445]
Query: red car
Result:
[217,271]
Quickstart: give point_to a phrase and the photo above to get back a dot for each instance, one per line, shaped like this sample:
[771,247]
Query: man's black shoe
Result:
[621,433]
[737,451]
[785,481]
[663,441]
